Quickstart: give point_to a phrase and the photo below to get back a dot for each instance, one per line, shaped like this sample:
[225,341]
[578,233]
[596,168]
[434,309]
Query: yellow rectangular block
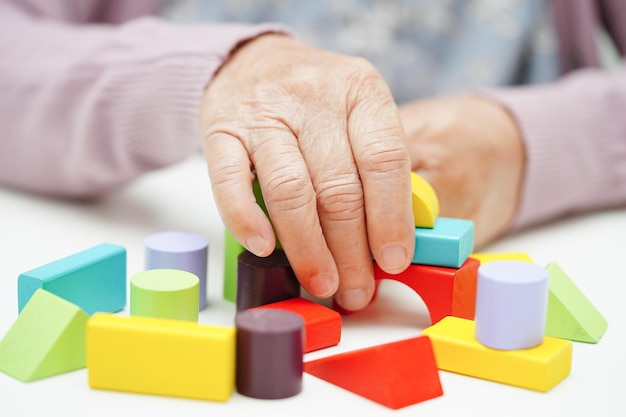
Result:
[539,368]
[485,257]
[161,356]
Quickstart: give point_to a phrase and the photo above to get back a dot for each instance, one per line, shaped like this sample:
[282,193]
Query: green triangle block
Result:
[571,315]
[47,338]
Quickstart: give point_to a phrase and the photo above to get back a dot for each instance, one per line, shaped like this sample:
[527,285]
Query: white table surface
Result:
[36,230]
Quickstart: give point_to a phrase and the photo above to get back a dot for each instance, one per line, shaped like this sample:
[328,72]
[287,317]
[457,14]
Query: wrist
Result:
[247,52]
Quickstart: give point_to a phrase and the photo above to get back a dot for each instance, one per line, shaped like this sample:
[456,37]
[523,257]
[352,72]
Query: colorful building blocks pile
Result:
[497,317]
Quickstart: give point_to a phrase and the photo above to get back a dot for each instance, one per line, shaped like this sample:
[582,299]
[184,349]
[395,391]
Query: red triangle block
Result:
[395,375]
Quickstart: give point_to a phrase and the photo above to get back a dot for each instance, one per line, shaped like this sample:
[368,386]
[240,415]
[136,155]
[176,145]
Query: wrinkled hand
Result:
[322,134]
[470,150]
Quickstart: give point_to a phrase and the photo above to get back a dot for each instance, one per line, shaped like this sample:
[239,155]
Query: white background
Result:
[36,230]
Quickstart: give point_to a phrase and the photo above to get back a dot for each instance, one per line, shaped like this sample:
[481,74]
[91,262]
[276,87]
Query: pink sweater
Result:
[574,131]
[82,104]
[85,85]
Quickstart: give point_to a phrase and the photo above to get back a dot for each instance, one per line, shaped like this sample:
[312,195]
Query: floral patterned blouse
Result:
[421,47]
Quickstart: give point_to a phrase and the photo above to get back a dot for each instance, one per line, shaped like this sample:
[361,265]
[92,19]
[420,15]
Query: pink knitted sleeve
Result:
[575,139]
[85,108]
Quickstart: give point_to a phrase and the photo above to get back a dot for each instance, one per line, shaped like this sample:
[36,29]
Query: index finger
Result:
[291,201]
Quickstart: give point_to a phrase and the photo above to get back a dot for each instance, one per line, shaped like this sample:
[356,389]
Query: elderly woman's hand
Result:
[322,134]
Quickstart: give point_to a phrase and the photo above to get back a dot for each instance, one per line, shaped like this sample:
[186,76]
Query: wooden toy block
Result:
[48,338]
[94,279]
[511,304]
[160,356]
[425,202]
[485,257]
[322,325]
[445,291]
[449,243]
[269,353]
[179,250]
[539,368]
[264,280]
[570,313]
[395,375]
[165,293]
[232,249]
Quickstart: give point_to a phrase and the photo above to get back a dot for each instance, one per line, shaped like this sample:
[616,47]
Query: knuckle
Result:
[217,127]
[340,198]
[224,172]
[361,67]
[364,77]
[288,190]
[383,157]
[225,177]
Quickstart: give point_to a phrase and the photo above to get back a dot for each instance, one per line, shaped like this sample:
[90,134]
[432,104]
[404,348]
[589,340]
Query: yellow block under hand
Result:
[486,257]
[161,356]
[539,368]
[425,202]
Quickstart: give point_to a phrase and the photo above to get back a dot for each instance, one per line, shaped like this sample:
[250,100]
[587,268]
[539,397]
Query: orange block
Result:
[322,326]
[445,291]
[395,374]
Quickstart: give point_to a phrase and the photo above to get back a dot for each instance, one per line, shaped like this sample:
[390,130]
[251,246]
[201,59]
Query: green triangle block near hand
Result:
[571,315]
[48,338]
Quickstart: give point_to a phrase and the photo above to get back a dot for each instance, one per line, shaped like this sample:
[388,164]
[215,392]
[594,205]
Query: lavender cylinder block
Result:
[511,304]
[179,250]
[265,280]
[269,353]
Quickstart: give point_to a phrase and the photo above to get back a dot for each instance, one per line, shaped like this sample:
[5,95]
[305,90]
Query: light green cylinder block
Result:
[165,293]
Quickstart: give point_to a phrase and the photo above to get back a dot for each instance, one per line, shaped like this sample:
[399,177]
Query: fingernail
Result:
[353,300]
[322,286]
[394,256]
[257,244]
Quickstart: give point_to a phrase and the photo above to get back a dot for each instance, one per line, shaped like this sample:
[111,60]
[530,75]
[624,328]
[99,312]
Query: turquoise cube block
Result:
[448,244]
[94,279]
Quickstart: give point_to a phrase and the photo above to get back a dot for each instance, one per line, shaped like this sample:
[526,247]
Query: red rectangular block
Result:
[322,326]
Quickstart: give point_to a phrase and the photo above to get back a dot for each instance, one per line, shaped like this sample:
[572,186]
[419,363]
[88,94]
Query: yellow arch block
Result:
[425,202]
[161,356]
[539,368]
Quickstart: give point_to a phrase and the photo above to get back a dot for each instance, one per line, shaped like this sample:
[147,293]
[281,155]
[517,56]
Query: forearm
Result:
[85,108]
[575,141]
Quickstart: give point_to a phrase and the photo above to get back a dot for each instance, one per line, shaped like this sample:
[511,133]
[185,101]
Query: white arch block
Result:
[511,304]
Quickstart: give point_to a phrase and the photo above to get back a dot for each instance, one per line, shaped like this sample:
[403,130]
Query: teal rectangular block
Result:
[448,244]
[94,279]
